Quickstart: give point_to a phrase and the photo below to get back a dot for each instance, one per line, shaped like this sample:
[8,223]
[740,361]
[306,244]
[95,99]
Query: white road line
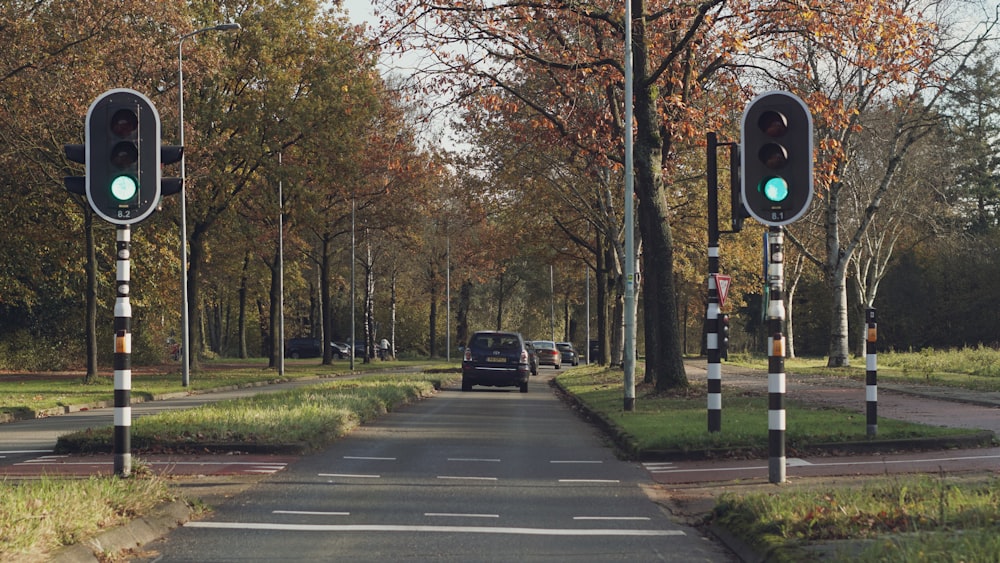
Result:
[474,459]
[574,461]
[369,458]
[25,451]
[589,481]
[829,464]
[441,529]
[616,518]
[350,475]
[458,515]
[457,477]
[310,513]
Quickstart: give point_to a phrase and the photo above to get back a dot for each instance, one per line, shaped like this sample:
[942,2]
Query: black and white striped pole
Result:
[124,183]
[123,356]
[712,315]
[871,374]
[776,357]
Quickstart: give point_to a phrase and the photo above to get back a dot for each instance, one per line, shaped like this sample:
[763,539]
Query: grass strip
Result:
[974,368]
[905,519]
[302,420]
[26,394]
[39,516]
[677,421]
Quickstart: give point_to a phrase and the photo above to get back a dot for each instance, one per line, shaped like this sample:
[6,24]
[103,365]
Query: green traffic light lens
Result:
[775,189]
[124,188]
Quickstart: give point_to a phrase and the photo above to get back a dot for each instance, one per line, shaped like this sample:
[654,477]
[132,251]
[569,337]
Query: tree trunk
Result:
[326,299]
[663,349]
[462,315]
[839,351]
[277,346]
[433,315]
[244,292]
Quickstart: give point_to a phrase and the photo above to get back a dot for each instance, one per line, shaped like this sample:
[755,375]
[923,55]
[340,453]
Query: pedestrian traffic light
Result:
[123,156]
[724,336]
[776,153]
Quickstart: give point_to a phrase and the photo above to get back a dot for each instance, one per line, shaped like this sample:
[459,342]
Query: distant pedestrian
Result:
[383,349]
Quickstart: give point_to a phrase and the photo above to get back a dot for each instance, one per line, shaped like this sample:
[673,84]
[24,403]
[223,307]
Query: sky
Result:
[360,11]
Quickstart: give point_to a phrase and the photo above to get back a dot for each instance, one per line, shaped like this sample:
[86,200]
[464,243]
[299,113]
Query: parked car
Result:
[359,349]
[569,355]
[303,348]
[496,359]
[532,357]
[341,349]
[548,354]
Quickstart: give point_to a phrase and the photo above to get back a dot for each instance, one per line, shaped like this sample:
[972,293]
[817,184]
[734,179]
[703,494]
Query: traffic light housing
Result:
[123,156]
[776,155]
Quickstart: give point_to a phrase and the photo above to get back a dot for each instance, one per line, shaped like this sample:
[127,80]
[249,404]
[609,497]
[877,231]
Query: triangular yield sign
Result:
[722,285]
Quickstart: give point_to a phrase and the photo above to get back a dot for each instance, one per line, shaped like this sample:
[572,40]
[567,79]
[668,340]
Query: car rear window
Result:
[496,342]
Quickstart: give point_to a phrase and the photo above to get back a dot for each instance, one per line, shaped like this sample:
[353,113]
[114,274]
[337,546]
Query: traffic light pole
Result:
[122,448]
[776,357]
[871,375]
[712,315]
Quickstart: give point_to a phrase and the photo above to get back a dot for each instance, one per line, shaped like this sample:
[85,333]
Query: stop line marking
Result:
[273,526]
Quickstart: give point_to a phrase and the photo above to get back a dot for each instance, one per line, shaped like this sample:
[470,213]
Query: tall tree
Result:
[845,68]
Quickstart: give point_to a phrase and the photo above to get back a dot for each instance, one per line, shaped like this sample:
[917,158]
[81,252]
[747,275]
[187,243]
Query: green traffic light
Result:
[775,189]
[124,188]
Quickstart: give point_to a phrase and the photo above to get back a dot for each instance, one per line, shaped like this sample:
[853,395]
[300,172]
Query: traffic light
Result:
[123,156]
[776,153]
[724,336]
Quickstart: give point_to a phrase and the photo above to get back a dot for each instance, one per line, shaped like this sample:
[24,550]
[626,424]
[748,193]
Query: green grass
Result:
[678,422]
[906,519]
[974,368]
[39,516]
[302,419]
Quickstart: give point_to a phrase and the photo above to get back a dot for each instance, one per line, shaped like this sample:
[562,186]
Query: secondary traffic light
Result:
[123,156]
[776,153]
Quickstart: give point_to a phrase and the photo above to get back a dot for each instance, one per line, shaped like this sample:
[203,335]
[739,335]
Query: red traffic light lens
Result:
[772,123]
[124,123]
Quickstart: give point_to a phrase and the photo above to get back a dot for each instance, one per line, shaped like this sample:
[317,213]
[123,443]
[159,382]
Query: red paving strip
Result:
[83,466]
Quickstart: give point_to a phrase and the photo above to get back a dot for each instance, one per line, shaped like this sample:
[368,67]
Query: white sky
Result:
[359,11]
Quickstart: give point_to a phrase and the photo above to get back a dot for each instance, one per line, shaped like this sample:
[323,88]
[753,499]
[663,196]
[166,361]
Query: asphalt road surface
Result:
[487,475]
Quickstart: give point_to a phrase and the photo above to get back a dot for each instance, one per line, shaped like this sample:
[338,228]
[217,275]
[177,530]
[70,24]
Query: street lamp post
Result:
[185,324]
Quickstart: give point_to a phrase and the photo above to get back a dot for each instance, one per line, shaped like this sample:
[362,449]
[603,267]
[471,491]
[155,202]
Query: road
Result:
[488,475]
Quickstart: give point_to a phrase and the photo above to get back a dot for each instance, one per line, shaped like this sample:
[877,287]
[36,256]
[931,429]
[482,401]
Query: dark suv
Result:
[303,348]
[496,359]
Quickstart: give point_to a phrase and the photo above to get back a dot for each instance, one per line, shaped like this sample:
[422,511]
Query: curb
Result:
[131,535]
